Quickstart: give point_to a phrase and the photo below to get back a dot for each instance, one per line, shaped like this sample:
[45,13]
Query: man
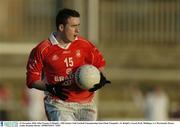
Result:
[156,104]
[51,66]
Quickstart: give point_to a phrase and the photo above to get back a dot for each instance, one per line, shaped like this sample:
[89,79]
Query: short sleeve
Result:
[95,57]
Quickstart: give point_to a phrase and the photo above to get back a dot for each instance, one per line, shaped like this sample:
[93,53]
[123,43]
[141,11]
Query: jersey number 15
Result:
[69,61]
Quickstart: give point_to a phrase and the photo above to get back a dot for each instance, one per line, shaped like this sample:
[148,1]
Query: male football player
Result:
[51,68]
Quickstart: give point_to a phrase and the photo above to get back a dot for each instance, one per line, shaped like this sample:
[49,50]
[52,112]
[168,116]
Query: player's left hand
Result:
[103,81]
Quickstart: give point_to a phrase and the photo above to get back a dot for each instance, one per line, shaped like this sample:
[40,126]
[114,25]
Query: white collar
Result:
[52,38]
[54,41]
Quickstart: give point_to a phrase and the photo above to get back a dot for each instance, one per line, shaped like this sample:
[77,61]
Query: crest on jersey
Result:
[55,57]
[78,53]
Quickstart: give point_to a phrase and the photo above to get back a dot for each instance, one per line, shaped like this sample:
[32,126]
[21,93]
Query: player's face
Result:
[71,29]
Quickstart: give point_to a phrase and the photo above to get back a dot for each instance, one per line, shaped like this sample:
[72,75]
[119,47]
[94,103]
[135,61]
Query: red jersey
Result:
[56,64]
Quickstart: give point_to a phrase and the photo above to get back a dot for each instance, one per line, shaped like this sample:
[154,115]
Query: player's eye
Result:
[76,26]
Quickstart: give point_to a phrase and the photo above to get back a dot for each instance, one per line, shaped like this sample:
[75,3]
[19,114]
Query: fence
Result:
[139,22]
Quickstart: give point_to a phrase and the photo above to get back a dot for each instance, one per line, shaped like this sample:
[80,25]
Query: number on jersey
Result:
[69,62]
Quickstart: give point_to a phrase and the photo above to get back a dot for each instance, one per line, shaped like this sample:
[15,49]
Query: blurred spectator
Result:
[156,105]
[137,96]
[4,101]
[34,102]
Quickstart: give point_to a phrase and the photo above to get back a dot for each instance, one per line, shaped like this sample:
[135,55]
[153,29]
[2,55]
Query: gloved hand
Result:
[58,90]
[103,81]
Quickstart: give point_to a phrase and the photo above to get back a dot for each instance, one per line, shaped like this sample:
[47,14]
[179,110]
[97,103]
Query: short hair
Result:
[64,14]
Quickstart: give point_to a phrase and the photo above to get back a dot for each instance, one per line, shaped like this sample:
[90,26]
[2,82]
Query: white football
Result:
[86,76]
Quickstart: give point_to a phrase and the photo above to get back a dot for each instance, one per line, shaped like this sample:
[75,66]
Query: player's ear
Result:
[61,27]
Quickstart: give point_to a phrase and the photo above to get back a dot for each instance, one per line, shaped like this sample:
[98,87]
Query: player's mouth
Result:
[75,36]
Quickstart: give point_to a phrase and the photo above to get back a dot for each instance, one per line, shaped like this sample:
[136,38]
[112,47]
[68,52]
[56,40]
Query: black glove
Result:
[103,81]
[58,90]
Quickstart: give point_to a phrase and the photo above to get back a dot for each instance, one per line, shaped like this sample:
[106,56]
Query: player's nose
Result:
[77,30]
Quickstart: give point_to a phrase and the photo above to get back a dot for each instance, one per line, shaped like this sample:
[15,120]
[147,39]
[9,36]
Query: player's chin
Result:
[71,39]
[74,37]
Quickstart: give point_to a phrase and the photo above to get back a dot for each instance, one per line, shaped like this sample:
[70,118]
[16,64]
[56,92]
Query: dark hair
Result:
[64,14]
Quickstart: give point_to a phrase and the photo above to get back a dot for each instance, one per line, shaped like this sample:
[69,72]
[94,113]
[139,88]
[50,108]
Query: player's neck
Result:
[62,42]
[61,39]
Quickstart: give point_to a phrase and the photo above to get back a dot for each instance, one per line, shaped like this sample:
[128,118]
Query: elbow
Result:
[29,85]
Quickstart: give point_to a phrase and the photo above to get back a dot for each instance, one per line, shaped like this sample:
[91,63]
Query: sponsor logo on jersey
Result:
[68,71]
[67,80]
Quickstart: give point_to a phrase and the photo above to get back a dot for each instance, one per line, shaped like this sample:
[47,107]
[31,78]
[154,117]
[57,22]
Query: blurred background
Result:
[139,40]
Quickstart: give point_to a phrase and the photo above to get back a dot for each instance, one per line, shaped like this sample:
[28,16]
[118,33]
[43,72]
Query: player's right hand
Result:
[103,82]
[58,90]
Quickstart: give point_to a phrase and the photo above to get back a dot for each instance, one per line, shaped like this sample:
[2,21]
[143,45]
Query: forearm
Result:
[55,90]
